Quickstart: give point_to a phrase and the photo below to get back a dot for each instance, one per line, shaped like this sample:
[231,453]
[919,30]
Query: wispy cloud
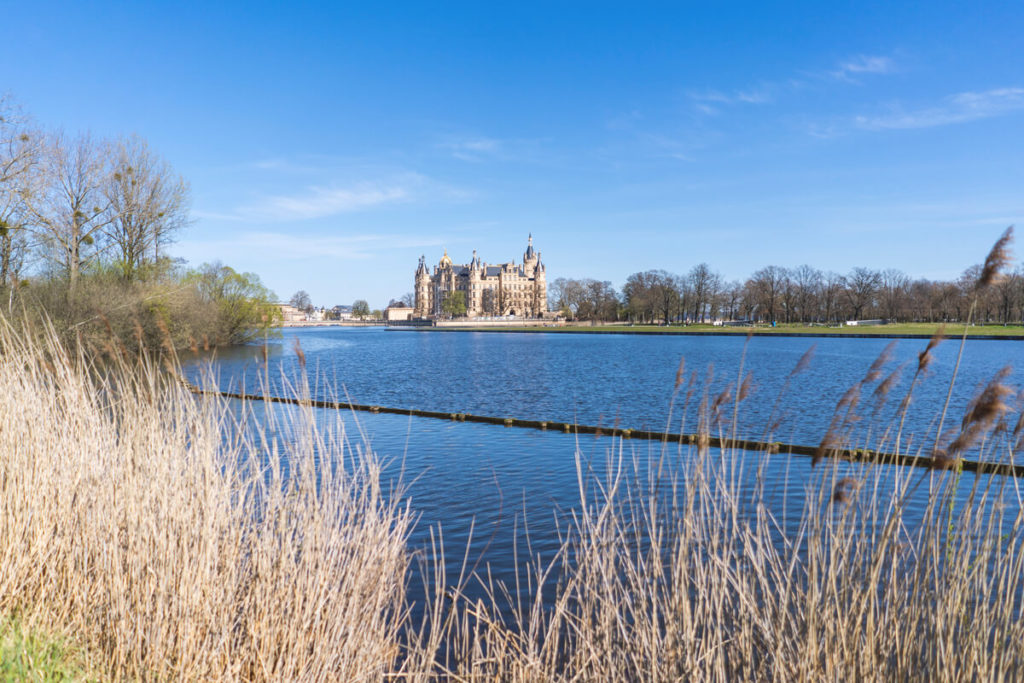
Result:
[298,165]
[710,102]
[298,246]
[334,198]
[215,215]
[705,101]
[667,146]
[673,144]
[331,190]
[959,108]
[473,149]
[319,202]
[478,149]
[863,65]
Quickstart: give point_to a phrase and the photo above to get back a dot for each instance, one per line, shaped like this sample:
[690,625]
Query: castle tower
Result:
[530,258]
[445,281]
[474,294]
[540,289]
[422,290]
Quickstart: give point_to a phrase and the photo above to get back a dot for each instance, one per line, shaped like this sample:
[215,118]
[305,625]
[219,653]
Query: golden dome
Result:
[445,260]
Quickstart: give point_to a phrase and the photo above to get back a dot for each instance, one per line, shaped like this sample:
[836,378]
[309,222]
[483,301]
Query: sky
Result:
[329,145]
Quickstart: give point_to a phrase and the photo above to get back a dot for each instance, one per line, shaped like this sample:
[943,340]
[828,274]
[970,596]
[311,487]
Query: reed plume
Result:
[925,358]
[804,362]
[996,261]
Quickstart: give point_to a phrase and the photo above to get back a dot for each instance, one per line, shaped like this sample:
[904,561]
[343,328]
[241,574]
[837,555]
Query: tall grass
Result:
[159,530]
[181,537]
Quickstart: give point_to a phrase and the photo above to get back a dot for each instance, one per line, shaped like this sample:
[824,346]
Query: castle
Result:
[489,290]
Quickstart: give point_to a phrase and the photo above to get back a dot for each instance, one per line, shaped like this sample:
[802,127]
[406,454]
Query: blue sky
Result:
[328,145]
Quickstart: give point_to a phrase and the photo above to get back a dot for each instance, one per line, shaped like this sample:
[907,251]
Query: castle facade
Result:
[504,289]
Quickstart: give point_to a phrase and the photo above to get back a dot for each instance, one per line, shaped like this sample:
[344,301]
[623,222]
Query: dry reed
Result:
[178,537]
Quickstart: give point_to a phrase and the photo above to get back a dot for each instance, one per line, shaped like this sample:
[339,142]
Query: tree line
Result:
[85,223]
[803,294]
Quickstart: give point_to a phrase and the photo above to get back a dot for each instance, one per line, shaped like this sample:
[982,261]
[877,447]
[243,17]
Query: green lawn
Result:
[35,656]
[922,329]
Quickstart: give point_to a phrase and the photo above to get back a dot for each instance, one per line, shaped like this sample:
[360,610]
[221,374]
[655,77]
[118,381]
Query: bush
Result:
[169,308]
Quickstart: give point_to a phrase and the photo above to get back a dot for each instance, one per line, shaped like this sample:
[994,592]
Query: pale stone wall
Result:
[291,314]
[398,313]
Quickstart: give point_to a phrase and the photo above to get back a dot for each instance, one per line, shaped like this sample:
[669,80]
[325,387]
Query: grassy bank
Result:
[28,654]
[898,330]
[185,537]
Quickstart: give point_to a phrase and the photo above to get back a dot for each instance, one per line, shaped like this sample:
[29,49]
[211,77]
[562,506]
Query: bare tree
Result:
[788,297]
[732,296]
[556,294]
[895,286]
[766,285]
[965,288]
[67,205]
[920,298]
[598,300]
[832,286]
[666,293]
[19,155]
[301,301]
[1007,293]
[861,288]
[807,282]
[574,296]
[489,301]
[148,205]
[639,295]
[703,284]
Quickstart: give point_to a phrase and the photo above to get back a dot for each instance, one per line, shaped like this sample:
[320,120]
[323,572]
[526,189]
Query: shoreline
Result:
[742,332]
[331,323]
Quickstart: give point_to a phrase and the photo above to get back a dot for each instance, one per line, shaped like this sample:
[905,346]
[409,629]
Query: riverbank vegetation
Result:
[913,330]
[179,537]
[776,294]
[175,536]
[85,224]
[33,655]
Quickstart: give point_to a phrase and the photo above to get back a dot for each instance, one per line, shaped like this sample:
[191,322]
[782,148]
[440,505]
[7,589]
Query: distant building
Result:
[341,313]
[398,312]
[490,290]
[290,314]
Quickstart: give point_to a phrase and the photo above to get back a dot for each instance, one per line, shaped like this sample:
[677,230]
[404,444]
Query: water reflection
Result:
[501,494]
[612,379]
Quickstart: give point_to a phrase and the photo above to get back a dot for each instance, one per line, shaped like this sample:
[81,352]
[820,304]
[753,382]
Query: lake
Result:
[608,379]
[502,481]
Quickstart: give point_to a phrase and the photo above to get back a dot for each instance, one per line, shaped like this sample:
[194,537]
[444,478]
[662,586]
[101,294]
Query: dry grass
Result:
[684,568]
[174,537]
[135,522]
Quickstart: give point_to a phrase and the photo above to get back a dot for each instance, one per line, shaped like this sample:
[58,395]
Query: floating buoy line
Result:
[849,454]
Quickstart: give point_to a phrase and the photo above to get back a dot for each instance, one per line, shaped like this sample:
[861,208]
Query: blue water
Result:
[501,490]
[627,380]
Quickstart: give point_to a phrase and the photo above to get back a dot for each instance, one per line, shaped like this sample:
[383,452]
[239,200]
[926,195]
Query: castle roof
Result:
[487,271]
